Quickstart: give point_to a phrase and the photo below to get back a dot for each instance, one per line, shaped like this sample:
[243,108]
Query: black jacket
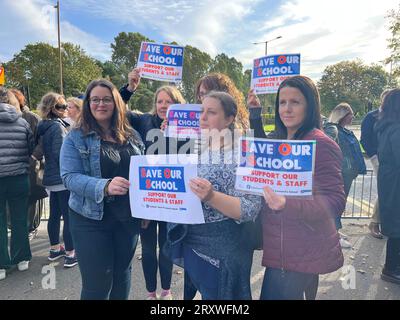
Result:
[369,139]
[16,142]
[145,123]
[389,176]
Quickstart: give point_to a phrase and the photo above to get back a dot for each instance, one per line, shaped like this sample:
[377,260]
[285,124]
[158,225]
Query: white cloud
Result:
[205,24]
[326,32]
[26,21]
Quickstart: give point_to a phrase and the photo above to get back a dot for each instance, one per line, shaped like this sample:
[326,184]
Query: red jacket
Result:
[302,237]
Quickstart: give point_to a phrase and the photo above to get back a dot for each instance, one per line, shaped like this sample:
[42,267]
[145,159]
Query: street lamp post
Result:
[265,102]
[59,46]
[266,43]
[28,77]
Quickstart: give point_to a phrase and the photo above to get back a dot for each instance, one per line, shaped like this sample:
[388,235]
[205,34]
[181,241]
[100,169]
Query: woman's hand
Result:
[202,188]
[133,79]
[118,187]
[252,100]
[274,201]
[145,223]
[164,125]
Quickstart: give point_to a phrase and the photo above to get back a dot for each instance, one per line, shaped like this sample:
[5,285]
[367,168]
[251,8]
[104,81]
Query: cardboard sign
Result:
[183,121]
[161,62]
[160,189]
[286,166]
[269,72]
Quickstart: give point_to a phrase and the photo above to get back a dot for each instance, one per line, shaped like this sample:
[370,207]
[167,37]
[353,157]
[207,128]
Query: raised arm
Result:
[255,108]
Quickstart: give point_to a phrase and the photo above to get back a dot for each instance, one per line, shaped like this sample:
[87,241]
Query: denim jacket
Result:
[81,172]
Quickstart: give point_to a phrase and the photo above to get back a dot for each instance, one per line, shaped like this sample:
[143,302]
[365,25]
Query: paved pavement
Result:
[360,279]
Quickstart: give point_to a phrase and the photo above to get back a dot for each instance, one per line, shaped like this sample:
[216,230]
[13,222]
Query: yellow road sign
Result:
[2,77]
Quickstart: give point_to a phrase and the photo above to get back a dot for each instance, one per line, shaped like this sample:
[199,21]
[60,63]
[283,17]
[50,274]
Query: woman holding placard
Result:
[215,254]
[163,98]
[300,240]
[94,161]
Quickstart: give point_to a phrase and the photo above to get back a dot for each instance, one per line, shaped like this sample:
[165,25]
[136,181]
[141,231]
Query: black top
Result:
[114,161]
[369,137]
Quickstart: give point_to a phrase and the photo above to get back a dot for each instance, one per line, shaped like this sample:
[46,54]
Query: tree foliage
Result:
[196,64]
[352,82]
[37,66]
[394,46]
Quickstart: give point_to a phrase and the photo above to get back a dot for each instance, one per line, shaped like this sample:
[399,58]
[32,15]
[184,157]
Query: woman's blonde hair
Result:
[47,104]
[172,92]
[339,113]
[6,96]
[120,127]
[78,103]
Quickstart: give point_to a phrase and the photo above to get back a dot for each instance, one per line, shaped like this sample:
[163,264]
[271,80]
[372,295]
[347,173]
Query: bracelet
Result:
[106,187]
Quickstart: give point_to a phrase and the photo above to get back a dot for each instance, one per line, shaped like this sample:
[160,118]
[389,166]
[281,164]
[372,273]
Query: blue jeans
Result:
[280,284]
[203,275]
[148,238]
[58,208]
[104,250]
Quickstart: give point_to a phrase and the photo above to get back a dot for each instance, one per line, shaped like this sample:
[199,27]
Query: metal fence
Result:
[360,202]
[362,197]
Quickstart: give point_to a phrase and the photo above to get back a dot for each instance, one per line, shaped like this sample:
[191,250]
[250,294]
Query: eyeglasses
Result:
[106,100]
[202,94]
[61,107]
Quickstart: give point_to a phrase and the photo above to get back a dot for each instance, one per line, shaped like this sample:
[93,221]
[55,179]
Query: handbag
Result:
[39,173]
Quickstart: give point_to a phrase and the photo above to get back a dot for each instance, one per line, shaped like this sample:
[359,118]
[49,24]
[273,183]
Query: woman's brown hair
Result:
[221,82]
[120,127]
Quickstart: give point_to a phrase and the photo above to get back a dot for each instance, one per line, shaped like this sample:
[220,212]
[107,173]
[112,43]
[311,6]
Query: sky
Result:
[323,32]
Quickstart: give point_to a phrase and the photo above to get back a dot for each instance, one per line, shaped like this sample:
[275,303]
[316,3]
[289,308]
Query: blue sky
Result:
[324,32]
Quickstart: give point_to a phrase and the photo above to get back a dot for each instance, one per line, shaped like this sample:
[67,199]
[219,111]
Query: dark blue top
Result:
[369,138]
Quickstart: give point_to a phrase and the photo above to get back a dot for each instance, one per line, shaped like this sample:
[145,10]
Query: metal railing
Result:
[360,202]
[362,196]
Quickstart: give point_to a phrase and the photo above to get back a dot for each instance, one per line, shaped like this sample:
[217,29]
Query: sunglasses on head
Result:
[61,107]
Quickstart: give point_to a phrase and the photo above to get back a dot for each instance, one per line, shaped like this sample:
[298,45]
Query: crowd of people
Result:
[79,153]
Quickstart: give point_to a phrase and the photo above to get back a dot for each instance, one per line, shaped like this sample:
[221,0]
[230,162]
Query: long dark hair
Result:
[120,128]
[390,109]
[313,109]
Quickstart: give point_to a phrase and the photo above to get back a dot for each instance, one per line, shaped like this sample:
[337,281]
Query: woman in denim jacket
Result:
[95,161]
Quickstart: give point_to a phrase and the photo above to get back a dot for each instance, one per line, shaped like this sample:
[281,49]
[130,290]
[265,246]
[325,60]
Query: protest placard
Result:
[183,121]
[161,62]
[160,190]
[286,166]
[269,72]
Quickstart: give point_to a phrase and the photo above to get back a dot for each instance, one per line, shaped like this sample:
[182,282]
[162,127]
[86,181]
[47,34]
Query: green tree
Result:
[196,65]
[125,53]
[353,82]
[37,67]
[394,46]
[233,69]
